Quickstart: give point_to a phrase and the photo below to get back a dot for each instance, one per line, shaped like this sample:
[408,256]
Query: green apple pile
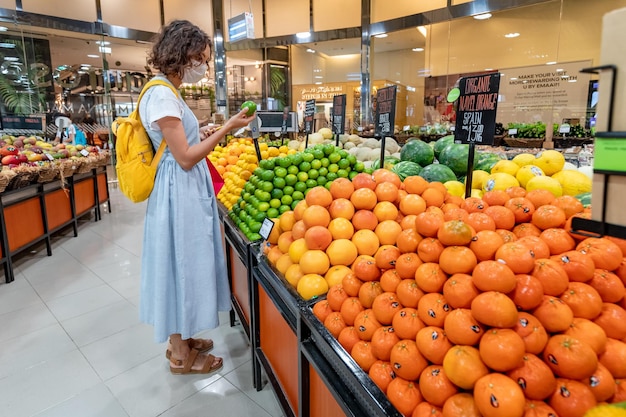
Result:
[281,183]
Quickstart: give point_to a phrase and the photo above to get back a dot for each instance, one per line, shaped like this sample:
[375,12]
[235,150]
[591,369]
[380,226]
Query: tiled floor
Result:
[72,344]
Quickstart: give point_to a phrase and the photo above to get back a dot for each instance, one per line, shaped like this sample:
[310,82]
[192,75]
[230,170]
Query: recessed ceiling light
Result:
[318,83]
[102,43]
[417,49]
[551,63]
[572,80]
[319,76]
[482,16]
[93,56]
[511,35]
[303,35]
[311,51]
[488,69]
[382,35]
[105,49]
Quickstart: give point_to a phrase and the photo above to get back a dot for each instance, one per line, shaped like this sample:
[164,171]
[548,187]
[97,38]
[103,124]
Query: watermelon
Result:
[486,161]
[585,199]
[406,169]
[437,172]
[390,161]
[440,144]
[417,151]
[455,157]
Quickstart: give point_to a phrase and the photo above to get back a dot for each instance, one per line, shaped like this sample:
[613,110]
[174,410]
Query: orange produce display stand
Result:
[33,213]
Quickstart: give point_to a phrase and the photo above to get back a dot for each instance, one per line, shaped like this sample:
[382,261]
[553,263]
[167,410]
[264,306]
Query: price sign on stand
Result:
[476,112]
[309,113]
[476,115]
[283,128]
[339,116]
[385,116]
[254,127]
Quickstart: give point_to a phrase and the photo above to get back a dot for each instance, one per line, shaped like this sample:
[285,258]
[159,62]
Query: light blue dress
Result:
[183,270]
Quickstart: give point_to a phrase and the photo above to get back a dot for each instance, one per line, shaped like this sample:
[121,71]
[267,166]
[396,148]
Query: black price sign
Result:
[385,111]
[476,112]
[283,128]
[309,112]
[339,114]
[22,122]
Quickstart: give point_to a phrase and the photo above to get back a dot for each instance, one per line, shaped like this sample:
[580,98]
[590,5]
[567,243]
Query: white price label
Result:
[512,132]
[406,128]
[50,157]
[565,128]
[266,228]
[84,152]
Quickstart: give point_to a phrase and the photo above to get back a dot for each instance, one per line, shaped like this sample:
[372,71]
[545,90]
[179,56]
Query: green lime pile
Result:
[278,184]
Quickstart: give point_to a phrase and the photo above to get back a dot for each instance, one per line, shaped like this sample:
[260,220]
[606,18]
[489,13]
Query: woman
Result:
[183,272]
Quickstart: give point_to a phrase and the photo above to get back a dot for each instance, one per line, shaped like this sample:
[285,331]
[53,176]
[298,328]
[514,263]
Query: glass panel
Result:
[322,70]
[26,88]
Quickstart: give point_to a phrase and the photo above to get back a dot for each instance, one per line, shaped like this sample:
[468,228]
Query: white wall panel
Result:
[333,14]
[135,14]
[286,17]
[198,12]
[381,9]
[76,9]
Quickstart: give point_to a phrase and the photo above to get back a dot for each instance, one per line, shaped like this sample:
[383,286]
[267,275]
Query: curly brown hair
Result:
[176,45]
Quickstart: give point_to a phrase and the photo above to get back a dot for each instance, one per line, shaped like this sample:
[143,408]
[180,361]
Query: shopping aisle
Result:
[72,344]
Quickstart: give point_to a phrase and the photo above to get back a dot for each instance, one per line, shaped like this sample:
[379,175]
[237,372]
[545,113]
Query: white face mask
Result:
[196,73]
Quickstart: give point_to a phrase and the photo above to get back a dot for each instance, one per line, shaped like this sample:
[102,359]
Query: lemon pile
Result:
[545,171]
[236,161]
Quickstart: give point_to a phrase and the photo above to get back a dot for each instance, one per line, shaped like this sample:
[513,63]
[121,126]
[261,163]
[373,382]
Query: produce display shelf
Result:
[353,389]
[287,300]
[238,265]
[31,214]
[274,340]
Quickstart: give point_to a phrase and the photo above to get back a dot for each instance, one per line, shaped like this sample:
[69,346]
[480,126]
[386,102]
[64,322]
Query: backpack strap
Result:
[163,144]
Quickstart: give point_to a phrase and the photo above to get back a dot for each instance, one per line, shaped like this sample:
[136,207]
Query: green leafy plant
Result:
[278,82]
[20,101]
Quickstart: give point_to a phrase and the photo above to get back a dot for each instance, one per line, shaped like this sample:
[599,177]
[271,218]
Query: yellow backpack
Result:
[136,162]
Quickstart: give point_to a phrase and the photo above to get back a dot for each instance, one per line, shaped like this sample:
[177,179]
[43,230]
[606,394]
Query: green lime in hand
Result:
[250,105]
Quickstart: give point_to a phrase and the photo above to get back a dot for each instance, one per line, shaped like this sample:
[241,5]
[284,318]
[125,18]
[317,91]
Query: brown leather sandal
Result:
[201,345]
[209,364]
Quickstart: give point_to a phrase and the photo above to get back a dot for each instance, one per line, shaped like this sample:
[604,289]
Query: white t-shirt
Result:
[66,132]
[168,105]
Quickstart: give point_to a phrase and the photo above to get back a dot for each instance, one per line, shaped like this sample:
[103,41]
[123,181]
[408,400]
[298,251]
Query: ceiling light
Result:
[382,35]
[573,80]
[102,43]
[417,49]
[488,69]
[551,63]
[303,35]
[318,83]
[11,58]
[319,76]
[104,49]
[422,30]
[511,35]
[311,51]
[482,16]
[7,45]
[93,56]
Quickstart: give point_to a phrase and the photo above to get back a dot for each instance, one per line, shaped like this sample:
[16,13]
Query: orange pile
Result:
[463,307]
